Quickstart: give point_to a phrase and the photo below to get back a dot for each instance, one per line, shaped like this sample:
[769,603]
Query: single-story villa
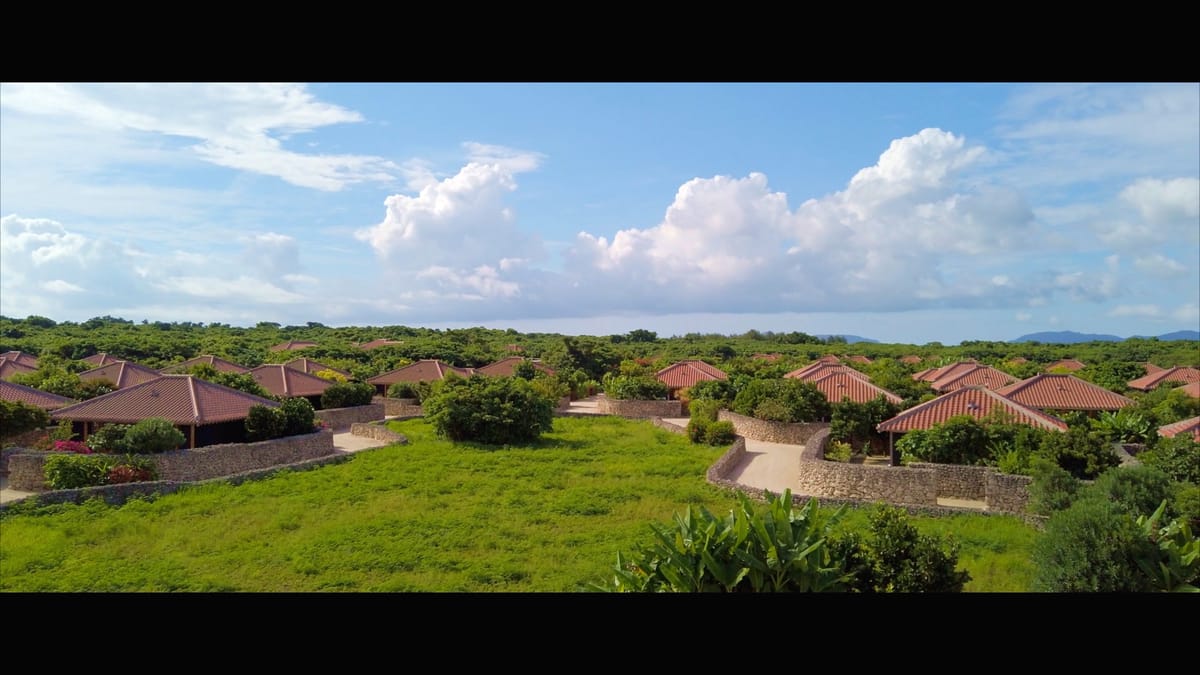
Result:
[283,381]
[220,364]
[1192,389]
[506,366]
[1188,426]
[311,367]
[1181,375]
[121,373]
[381,342]
[10,391]
[819,369]
[10,368]
[101,359]
[1055,391]
[931,374]
[23,358]
[910,359]
[858,358]
[290,345]
[425,370]
[1066,364]
[684,374]
[838,385]
[977,375]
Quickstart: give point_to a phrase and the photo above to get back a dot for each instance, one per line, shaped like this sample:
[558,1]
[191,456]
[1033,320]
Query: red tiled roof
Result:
[425,370]
[947,370]
[923,375]
[1019,360]
[8,368]
[291,344]
[910,359]
[381,342]
[1192,389]
[121,373]
[313,367]
[977,402]
[183,399]
[1047,391]
[101,359]
[283,381]
[1191,426]
[505,367]
[1180,375]
[1151,368]
[1066,364]
[836,385]
[208,359]
[770,358]
[23,358]
[819,369]
[858,358]
[10,391]
[687,373]
[985,376]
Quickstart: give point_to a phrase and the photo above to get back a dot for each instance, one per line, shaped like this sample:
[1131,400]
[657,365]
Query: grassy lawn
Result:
[430,516]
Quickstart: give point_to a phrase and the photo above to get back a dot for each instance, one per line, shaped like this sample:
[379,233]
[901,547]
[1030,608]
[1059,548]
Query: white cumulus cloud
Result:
[1164,202]
[1142,311]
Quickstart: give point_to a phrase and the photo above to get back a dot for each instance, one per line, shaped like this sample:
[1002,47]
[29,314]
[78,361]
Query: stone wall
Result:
[1006,493]
[717,472]
[668,426]
[27,472]
[899,485]
[639,409]
[378,432]
[957,481]
[5,453]
[400,407]
[341,418]
[772,432]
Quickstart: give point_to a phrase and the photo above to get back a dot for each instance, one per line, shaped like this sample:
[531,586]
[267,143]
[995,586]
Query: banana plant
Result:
[1176,567]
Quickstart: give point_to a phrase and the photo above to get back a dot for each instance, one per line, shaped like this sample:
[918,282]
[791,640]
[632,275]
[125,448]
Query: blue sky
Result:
[901,212]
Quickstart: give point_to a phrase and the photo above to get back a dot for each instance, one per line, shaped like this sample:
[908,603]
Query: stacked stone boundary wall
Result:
[341,418]
[119,494]
[400,407]
[794,433]
[378,432]
[958,482]
[668,426]
[635,409]
[27,470]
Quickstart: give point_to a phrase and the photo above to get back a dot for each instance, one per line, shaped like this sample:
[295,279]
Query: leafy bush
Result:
[704,409]
[1187,502]
[1091,547]
[153,435]
[904,561]
[110,438]
[550,388]
[855,422]
[71,471]
[525,370]
[626,387]
[1084,454]
[1137,489]
[1053,488]
[720,433]
[772,411]
[298,416]
[332,376]
[838,451]
[1176,565]
[959,440]
[132,470]
[775,548]
[712,390]
[1125,426]
[17,417]
[493,410]
[402,390]
[1178,457]
[697,429]
[240,381]
[265,422]
[802,400]
[76,447]
[347,394]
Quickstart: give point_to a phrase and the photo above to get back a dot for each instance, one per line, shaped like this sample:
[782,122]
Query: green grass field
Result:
[429,516]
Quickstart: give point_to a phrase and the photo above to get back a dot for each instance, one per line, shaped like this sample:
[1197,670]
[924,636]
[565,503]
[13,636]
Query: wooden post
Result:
[895,459]
[192,437]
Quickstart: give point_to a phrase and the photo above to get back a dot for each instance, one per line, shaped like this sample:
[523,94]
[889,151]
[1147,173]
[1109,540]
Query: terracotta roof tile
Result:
[23,358]
[819,369]
[381,342]
[858,358]
[1151,368]
[1048,391]
[182,399]
[283,381]
[986,376]
[836,385]
[947,370]
[121,373]
[1066,364]
[1192,389]
[1180,375]
[1019,360]
[505,367]
[9,368]
[10,391]
[313,367]
[910,359]
[977,402]
[208,359]
[923,375]
[101,359]
[687,373]
[1191,426]
[425,370]
[290,345]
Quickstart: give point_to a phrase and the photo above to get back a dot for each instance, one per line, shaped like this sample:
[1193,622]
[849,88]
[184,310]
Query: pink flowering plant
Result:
[76,447]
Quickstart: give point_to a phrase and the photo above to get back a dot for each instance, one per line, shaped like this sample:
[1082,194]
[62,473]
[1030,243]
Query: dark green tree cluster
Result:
[782,400]
[491,410]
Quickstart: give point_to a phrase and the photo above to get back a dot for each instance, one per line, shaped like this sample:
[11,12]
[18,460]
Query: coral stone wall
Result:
[378,432]
[341,418]
[723,465]
[1008,493]
[639,409]
[958,482]
[899,485]
[772,432]
[402,407]
[26,471]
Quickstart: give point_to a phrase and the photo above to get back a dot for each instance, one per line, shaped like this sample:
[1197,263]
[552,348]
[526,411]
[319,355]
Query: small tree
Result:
[153,435]
[298,416]
[525,370]
[17,417]
[110,438]
[1178,457]
[493,410]
[265,422]
[347,394]
[1091,547]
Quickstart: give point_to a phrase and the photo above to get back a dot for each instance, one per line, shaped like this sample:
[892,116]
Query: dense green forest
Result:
[158,344]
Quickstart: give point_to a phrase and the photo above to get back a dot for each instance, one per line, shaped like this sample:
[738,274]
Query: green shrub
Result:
[1175,567]
[722,391]
[1053,488]
[550,388]
[838,451]
[1187,503]
[152,435]
[1080,452]
[347,394]
[697,429]
[772,411]
[110,439]
[331,375]
[17,417]
[855,422]
[905,561]
[298,416]
[720,433]
[704,409]
[1178,457]
[1091,547]
[132,469]
[1124,426]
[626,387]
[264,423]
[402,390]
[525,370]
[958,440]
[240,381]
[493,410]
[802,400]
[72,471]
[1137,489]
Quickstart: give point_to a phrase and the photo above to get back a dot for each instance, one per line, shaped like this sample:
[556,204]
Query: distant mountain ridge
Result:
[1068,337]
[850,339]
